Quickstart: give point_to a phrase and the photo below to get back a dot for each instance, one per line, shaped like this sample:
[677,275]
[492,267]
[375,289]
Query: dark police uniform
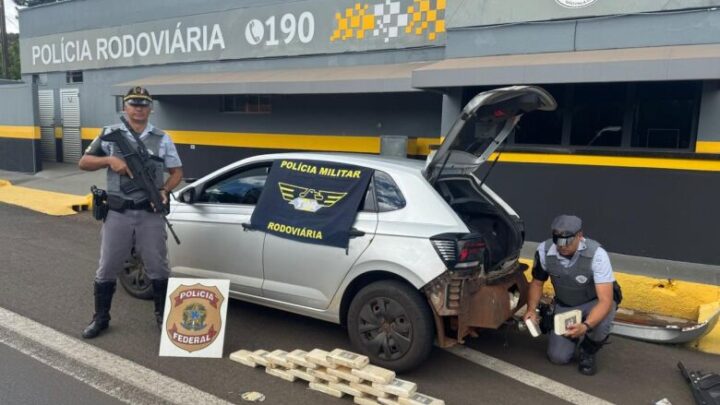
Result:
[130,220]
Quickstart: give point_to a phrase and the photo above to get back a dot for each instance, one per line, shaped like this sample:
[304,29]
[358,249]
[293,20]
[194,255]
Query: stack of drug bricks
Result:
[338,373]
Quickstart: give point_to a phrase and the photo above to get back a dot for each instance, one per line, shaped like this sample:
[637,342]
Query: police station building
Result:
[634,147]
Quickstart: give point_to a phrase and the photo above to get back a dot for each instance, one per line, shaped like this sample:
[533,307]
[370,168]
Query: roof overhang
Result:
[391,78]
[686,62]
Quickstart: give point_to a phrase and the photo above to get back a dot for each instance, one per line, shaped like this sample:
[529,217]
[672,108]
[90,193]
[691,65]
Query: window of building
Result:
[118,103]
[247,103]
[74,76]
[664,114]
[543,127]
[598,114]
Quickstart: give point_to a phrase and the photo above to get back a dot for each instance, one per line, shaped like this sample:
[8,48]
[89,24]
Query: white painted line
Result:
[526,377]
[132,383]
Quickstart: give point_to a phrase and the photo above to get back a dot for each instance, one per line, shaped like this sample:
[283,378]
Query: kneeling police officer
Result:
[131,219]
[581,274]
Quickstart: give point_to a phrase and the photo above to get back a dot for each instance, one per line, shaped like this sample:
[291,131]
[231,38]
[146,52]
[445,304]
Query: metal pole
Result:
[4,39]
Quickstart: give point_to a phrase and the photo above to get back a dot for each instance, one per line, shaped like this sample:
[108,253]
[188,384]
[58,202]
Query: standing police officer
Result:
[131,218]
[581,274]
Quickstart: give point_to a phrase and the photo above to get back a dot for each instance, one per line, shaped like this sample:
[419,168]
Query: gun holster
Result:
[100,203]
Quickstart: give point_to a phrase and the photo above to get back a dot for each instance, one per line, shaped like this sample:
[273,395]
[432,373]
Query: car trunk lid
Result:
[495,113]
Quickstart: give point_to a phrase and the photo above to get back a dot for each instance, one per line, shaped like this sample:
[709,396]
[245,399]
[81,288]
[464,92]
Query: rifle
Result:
[705,387]
[138,160]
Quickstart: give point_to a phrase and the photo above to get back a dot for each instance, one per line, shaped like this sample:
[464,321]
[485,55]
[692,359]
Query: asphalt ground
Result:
[46,270]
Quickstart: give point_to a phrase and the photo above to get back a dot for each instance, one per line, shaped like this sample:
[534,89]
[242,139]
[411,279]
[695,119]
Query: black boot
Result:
[159,292]
[103,298]
[586,361]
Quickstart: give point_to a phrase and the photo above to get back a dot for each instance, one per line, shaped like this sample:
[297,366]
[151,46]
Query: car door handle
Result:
[354,233]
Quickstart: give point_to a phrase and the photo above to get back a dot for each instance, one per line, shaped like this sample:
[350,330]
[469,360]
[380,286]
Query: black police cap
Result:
[138,96]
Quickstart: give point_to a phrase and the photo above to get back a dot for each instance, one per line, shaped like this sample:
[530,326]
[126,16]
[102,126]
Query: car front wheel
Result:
[391,323]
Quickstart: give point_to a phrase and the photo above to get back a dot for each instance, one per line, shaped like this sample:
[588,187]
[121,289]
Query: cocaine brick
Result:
[368,389]
[375,374]
[325,389]
[297,357]
[420,399]
[365,401]
[345,388]
[391,400]
[319,357]
[321,373]
[278,358]
[348,359]
[397,387]
[284,374]
[344,373]
[302,374]
[260,357]
[243,357]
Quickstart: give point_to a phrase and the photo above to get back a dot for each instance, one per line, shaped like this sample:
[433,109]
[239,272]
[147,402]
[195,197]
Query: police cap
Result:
[566,225]
[138,96]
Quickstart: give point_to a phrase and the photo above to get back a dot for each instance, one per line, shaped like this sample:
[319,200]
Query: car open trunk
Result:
[503,232]
[487,289]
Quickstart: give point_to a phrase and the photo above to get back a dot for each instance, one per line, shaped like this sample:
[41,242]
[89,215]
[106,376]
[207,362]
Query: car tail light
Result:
[460,251]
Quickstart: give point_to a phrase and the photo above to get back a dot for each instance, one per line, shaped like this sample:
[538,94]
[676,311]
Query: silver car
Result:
[433,253]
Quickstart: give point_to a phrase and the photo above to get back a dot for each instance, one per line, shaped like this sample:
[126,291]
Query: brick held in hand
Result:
[319,357]
[346,388]
[348,359]
[421,399]
[243,357]
[366,388]
[298,357]
[344,373]
[278,358]
[284,374]
[365,401]
[375,374]
[260,357]
[302,374]
[321,373]
[398,387]
[325,389]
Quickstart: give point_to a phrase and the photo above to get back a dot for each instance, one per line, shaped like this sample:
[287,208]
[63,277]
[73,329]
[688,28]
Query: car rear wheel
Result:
[134,280]
[391,323]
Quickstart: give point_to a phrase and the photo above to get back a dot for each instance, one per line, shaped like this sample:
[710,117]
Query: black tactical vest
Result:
[115,182]
[573,285]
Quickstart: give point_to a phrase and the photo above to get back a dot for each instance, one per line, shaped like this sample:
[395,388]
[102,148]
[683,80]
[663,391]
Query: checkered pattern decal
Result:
[388,20]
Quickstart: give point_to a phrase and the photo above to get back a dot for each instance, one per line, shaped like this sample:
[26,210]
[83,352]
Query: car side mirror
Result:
[188,196]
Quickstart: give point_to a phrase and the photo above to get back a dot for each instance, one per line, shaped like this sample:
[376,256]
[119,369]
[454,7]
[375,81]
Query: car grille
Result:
[447,249]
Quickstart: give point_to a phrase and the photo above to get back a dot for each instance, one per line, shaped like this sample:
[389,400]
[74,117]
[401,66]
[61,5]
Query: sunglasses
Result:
[563,240]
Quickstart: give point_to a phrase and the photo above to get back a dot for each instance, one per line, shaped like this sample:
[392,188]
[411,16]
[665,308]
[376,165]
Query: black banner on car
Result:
[311,201]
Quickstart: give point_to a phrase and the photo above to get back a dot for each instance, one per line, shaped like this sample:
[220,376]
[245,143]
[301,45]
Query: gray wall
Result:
[17,109]
[709,125]
[696,27]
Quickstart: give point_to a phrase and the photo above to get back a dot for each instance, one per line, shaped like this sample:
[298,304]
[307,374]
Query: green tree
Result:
[13,57]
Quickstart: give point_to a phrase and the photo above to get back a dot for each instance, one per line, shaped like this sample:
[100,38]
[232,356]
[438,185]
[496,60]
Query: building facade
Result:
[634,147]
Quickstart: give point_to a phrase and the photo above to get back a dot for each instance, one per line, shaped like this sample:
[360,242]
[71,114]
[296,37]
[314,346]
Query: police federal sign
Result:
[311,201]
[194,318]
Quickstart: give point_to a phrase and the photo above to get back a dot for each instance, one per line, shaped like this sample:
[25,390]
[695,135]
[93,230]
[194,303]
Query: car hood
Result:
[494,113]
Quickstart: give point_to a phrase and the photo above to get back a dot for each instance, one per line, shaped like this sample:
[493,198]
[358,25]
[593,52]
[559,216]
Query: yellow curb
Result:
[676,298]
[47,202]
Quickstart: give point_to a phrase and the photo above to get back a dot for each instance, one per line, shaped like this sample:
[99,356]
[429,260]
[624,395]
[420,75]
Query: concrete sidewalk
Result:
[59,189]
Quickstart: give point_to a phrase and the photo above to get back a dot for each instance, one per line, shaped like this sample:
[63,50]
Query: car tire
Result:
[391,323]
[134,280]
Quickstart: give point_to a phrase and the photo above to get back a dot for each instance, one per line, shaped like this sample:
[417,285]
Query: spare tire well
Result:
[360,282]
